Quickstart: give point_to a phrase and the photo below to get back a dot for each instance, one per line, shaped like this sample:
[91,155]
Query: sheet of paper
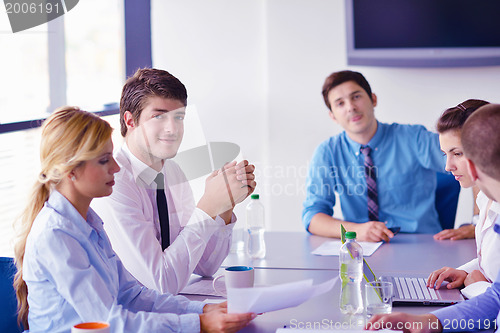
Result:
[214,300]
[332,248]
[202,286]
[265,299]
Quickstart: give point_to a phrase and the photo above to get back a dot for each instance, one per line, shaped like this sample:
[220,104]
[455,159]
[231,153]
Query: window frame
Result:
[138,54]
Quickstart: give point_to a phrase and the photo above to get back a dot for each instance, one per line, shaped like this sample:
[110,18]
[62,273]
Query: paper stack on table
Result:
[332,248]
[265,299]
[201,286]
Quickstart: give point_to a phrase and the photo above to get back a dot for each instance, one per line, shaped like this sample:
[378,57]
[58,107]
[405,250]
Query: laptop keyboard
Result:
[414,289]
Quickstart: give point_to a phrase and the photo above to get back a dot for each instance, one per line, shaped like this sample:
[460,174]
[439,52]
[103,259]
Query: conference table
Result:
[404,253]
[289,259]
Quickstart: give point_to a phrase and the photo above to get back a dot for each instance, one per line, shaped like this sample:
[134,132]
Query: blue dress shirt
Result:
[74,276]
[406,159]
[475,314]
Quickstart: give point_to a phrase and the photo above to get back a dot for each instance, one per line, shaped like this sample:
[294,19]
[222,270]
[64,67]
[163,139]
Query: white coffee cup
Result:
[235,277]
[91,327]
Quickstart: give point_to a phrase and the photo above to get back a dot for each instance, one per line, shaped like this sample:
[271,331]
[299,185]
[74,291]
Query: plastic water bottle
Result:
[351,274]
[256,245]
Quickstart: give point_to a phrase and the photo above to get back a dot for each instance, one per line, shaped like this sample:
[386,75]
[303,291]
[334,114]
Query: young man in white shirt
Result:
[198,238]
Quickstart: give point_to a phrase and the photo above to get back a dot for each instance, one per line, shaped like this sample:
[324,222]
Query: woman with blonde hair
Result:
[67,270]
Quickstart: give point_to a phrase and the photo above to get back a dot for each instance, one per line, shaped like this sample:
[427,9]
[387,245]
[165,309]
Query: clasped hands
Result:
[226,187]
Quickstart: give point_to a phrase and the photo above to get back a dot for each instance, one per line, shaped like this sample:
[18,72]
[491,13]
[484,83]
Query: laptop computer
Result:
[412,290]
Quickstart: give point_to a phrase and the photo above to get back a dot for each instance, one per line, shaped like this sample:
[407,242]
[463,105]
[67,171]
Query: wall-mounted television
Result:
[423,33]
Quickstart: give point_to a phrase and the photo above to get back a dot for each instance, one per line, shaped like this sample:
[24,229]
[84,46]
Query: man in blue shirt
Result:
[481,142]
[403,161]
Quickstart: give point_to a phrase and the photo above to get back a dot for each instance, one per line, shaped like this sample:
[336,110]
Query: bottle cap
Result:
[350,234]
[254,196]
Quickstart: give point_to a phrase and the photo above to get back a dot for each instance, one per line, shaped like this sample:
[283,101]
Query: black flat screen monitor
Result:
[423,33]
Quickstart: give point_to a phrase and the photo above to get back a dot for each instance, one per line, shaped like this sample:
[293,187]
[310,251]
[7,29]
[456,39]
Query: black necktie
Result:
[161,202]
[371,184]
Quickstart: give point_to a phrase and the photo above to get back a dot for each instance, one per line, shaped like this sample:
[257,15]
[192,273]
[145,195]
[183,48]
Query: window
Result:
[25,73]
[18,172]
[76,59]
[94,53]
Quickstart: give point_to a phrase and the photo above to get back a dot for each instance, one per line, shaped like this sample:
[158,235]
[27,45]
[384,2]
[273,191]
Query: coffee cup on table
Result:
[235,277]
[91,327]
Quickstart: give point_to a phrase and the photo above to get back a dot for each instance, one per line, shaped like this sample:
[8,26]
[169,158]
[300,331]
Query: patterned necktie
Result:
[371,184]
[161,202]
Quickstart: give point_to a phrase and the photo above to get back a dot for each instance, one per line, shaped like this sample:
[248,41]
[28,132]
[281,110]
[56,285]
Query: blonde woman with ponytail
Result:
[67,270]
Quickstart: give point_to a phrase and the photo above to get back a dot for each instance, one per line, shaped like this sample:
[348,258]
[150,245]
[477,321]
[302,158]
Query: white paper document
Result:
[214,300]
[201,286]
[332,248]
[265,299]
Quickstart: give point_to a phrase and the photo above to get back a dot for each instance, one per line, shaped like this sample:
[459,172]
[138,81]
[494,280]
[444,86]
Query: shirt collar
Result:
[495,207]
[481,199]
[378,137]
[493,213]
[60,204]
[140,170]
[494,210]
[374,142]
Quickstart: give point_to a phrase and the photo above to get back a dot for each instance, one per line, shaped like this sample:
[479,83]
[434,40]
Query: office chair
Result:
[8,303]
[447,192]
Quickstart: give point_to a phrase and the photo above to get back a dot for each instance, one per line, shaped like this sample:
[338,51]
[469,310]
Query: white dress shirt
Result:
[198,243]
[488,247]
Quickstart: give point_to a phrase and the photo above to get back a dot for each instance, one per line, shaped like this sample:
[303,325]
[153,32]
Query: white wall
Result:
[217,49]
[254,69]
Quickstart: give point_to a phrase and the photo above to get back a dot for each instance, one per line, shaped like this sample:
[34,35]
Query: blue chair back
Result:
[447,192]
[8,303]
